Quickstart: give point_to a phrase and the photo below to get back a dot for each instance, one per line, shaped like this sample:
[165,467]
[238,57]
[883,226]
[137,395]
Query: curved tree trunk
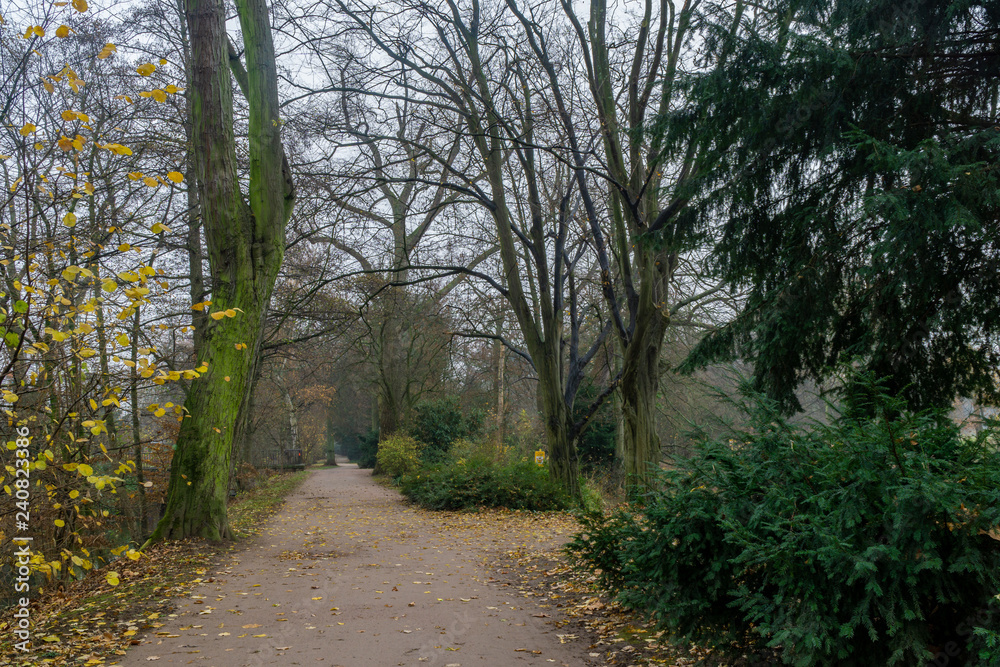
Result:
[246,241]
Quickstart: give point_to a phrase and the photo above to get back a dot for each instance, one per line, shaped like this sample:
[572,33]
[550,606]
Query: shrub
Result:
[397,455]
[861,542]
[366,451]
[481,482]
[591,500]
[439,423]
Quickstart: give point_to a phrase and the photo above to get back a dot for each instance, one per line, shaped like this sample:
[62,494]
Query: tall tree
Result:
[860,195]
[532,199]
[246,243]
[643,230]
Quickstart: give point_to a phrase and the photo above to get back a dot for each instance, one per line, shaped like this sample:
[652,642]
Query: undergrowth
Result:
[869,541]
[480,481]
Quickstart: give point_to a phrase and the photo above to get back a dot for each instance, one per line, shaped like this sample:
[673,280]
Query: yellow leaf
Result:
[59,522]
[27,129]
[69,220]
[62,31]
[151,182]
[77,561]
[158,95]
[146,69]
[217,315]
[85,470]
[133,554]
[122,340]
[230,312]
[108,49]
[109,285]
[52,638]
[80,5]
[93,404]
[112,578]
[74,493]
[163,61]
[118,149]
[175,176]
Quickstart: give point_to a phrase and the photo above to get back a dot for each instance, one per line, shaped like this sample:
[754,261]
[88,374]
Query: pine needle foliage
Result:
[861,542]
[855,187]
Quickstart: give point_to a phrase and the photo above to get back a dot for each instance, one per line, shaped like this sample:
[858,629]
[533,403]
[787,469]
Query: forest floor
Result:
[346,573]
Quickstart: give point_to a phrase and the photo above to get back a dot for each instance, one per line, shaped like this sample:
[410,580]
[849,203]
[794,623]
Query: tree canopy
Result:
[856,194]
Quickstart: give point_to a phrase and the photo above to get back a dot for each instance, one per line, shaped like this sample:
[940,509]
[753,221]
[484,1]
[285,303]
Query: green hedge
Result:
[480,482]
[857,543]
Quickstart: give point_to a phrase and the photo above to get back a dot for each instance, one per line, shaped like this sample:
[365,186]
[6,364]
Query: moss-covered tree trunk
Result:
[245,240]
[641,371]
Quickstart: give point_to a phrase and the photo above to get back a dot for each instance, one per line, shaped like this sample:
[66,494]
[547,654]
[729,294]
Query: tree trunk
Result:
[501,387]
[392,370]
[246,242]
[560,433]
[293,417]
[140,472]
[641,370]
[331,440]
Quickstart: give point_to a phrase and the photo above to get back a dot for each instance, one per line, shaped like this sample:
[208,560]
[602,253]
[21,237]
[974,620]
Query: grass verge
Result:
[250,510]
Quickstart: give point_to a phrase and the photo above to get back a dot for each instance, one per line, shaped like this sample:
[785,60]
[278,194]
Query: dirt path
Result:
[347,574]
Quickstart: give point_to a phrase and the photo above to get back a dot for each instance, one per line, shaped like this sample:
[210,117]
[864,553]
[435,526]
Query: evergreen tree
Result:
[856,185]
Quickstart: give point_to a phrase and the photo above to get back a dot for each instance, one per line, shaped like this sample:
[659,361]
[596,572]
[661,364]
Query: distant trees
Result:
[588,181]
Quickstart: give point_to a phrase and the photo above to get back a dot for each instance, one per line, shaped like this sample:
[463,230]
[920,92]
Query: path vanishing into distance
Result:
[349,574]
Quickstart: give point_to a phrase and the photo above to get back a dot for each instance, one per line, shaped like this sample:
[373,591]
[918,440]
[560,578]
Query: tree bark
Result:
[246,242]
